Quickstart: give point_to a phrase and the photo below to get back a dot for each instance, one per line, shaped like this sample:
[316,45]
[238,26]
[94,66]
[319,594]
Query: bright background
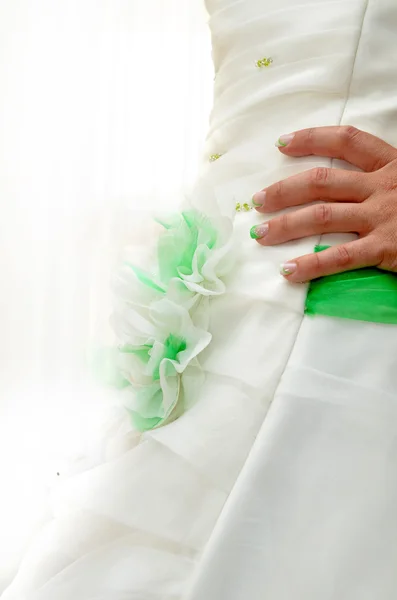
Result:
[104,107]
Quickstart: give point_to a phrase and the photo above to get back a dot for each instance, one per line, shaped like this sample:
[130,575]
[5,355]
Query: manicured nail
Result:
[258,199]
[284,140]
[288,268]
[258,232]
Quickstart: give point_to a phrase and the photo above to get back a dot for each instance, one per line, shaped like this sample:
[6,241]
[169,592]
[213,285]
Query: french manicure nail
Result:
[284,140]
[288,268]
[258,232]
[258,199]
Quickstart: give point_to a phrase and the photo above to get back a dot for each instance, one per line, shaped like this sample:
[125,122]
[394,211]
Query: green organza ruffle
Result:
[161,317]
[368,294]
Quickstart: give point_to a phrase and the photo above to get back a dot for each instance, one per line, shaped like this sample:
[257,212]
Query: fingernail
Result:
[288,268]
[259,198]
[258,232]
[284,140]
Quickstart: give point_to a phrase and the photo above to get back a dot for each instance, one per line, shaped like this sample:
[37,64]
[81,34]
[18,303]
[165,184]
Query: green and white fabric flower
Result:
[194,249]
[153,370]
[161,319]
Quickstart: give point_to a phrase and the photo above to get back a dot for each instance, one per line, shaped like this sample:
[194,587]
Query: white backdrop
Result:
[103,110]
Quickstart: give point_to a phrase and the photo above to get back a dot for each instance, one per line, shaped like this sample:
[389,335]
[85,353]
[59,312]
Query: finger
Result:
[313,220]
[347,143]
[315,184]
[354,255]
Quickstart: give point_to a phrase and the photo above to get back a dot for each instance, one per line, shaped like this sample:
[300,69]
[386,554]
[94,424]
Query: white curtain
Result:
[103,111]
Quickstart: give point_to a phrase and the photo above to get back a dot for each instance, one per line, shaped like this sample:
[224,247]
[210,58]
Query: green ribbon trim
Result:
[368,294]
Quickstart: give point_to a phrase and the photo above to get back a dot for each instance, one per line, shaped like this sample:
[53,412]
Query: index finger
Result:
[361,149]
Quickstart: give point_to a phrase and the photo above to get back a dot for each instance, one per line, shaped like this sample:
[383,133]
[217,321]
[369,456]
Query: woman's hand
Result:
[363,203]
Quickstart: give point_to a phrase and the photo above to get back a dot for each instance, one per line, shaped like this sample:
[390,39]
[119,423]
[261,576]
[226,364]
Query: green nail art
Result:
[255,203]
[288,268]
[253,233]
[258,232]
[284,140]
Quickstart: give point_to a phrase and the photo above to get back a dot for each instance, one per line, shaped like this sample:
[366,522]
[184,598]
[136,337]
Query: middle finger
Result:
[320,183]
[312,220]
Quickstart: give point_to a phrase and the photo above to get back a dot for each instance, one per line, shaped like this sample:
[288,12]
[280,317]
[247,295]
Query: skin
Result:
[356,202]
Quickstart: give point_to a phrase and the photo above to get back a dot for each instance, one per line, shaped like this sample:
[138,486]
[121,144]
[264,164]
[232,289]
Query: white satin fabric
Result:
[312,514]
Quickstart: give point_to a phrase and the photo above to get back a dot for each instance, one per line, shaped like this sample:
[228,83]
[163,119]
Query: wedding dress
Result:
[277,478]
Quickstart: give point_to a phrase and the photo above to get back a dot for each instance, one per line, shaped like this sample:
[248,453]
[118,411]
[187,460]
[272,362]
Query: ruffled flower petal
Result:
[161,319]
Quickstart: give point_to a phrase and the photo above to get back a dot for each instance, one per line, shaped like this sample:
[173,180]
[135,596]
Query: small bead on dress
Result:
[263,62]
[214,157]
[245,207]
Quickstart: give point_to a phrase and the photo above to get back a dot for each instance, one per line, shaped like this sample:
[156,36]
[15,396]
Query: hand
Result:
[356,202]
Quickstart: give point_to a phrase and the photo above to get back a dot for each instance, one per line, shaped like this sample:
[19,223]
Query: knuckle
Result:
[318,177]
[343,256]
[349,134]
[278,190]
[285,223]
[323,214]
[310,134]
[317,262]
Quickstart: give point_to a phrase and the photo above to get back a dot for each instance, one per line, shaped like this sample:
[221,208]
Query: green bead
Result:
[264,62]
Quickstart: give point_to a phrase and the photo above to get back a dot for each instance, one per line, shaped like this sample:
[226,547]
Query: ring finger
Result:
[312,220]
[315,184]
